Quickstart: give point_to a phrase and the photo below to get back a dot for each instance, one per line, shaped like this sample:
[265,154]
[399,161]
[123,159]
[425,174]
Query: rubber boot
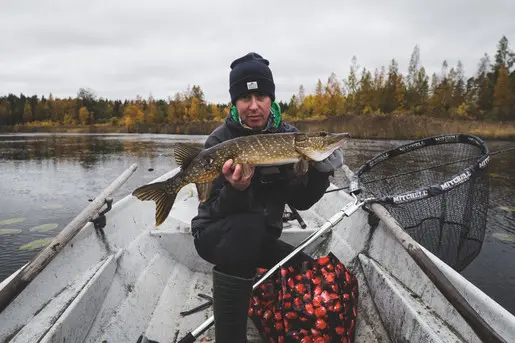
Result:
[231,299]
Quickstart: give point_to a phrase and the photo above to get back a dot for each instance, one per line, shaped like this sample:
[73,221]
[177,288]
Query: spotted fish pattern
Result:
[202,166]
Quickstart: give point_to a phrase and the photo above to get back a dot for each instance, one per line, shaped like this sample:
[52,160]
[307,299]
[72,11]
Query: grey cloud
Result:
[121,49]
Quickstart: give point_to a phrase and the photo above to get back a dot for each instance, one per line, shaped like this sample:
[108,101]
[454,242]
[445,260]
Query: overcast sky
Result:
[124,48]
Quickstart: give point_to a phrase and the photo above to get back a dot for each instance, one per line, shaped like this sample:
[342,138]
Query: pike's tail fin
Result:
[158,192]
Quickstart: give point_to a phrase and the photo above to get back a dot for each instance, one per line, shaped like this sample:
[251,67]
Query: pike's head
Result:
[318,145]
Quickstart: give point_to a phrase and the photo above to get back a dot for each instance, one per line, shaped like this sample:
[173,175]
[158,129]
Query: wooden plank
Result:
[19,282]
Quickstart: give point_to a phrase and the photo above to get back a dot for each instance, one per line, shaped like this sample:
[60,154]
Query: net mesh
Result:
[450,225]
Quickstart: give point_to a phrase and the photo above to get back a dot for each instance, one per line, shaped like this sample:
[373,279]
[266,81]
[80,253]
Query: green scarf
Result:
[273,121]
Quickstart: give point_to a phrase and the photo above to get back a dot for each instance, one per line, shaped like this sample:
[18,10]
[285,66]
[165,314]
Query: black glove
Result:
[331,163]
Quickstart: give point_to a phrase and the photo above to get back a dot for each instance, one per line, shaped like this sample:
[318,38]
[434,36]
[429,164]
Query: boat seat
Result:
[175,233]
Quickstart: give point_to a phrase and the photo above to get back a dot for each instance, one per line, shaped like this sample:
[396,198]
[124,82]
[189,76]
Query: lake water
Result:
[49,178]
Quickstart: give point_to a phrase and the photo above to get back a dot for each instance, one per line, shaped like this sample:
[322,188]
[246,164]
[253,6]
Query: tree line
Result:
[489,94]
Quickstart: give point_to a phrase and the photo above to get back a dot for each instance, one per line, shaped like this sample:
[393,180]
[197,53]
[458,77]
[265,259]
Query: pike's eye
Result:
[209,160]
[323,134]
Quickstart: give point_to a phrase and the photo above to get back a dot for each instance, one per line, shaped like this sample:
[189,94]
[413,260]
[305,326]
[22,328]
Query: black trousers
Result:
[240,243]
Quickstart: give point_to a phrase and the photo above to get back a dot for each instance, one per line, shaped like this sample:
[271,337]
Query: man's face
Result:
[254,109]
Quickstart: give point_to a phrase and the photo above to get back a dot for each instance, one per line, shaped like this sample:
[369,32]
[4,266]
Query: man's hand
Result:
[331,163]
[235,177]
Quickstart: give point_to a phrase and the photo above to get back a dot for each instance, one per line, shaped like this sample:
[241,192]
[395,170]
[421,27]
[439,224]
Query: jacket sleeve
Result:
[225,199]
[305,192]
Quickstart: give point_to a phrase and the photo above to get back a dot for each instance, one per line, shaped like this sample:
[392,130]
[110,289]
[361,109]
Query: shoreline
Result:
[391,127]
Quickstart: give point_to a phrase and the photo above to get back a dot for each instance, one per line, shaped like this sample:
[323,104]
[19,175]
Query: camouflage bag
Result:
[317,303]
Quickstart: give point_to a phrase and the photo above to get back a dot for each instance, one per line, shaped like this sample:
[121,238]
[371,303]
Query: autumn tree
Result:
[483,87]
[366,93]
[27,113]
[133,116]
[5,113]
[84,115]
[150,114]
[413,98]
[194,110]
[393,91]
[379,90]
[172,113]
[216,112]
[320,100]
[503,96]
[352,86]
[334,97]
[504,56]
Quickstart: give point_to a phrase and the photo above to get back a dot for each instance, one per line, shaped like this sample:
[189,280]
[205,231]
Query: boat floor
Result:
[201,284]
[168,309]
[160,329]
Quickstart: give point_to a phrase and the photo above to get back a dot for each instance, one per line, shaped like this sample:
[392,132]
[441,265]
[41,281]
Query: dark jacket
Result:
[270,189]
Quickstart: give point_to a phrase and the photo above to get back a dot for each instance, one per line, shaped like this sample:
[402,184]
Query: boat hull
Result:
[138,278]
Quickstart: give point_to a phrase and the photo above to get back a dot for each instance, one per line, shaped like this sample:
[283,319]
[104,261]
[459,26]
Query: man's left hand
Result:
[331,163]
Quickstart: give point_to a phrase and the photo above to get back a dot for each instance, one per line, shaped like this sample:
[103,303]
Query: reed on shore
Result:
[390,126]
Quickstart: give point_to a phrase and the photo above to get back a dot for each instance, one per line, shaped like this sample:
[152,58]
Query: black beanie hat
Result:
[250,73]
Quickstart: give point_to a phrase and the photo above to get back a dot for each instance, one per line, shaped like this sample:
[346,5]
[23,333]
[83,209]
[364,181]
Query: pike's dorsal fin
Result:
[185,153]
[203,190]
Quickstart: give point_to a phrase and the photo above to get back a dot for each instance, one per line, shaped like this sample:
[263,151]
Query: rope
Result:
[419,170]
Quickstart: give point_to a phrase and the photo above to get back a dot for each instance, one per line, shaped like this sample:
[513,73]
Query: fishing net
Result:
[449,217]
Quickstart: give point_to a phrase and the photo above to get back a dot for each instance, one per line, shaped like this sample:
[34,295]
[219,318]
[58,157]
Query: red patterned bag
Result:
[315,304]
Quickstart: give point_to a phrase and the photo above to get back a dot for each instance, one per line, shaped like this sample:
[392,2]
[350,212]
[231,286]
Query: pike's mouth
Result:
[337,140]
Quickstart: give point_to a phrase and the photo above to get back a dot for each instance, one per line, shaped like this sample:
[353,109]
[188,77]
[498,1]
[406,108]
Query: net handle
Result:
[436,189]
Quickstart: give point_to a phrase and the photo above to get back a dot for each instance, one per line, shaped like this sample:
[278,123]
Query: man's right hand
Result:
[235,176]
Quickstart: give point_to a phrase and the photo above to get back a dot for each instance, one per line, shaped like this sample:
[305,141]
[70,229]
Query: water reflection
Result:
[48,179]
[88,150]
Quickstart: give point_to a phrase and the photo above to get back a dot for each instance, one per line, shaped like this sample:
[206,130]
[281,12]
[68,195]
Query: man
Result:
[238,227]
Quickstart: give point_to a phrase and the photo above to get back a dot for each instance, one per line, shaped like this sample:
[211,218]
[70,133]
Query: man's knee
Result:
[243,237]
[236,242]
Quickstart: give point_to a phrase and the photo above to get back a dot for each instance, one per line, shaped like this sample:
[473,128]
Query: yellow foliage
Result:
[42,123]
[151,112]
[68,119]
[194,110]
[217,114]
[133,115]
[83,115]
[503,95]
[463,111]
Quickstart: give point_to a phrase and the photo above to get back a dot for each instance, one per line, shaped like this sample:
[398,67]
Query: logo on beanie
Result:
[252,85]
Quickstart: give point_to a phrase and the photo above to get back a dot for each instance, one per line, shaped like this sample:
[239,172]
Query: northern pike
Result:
[202,166]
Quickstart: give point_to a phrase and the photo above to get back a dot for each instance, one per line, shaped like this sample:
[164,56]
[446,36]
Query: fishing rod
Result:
[501,151]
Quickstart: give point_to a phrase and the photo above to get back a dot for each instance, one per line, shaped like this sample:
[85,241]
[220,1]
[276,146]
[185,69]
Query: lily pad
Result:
[52,206]
[44,227]
[507,208]
[9,231]
[11,221]
[494,175]
[37,244]
[504,237]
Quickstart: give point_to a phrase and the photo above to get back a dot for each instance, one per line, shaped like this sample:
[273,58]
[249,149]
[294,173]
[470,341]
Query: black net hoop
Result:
[437,189]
